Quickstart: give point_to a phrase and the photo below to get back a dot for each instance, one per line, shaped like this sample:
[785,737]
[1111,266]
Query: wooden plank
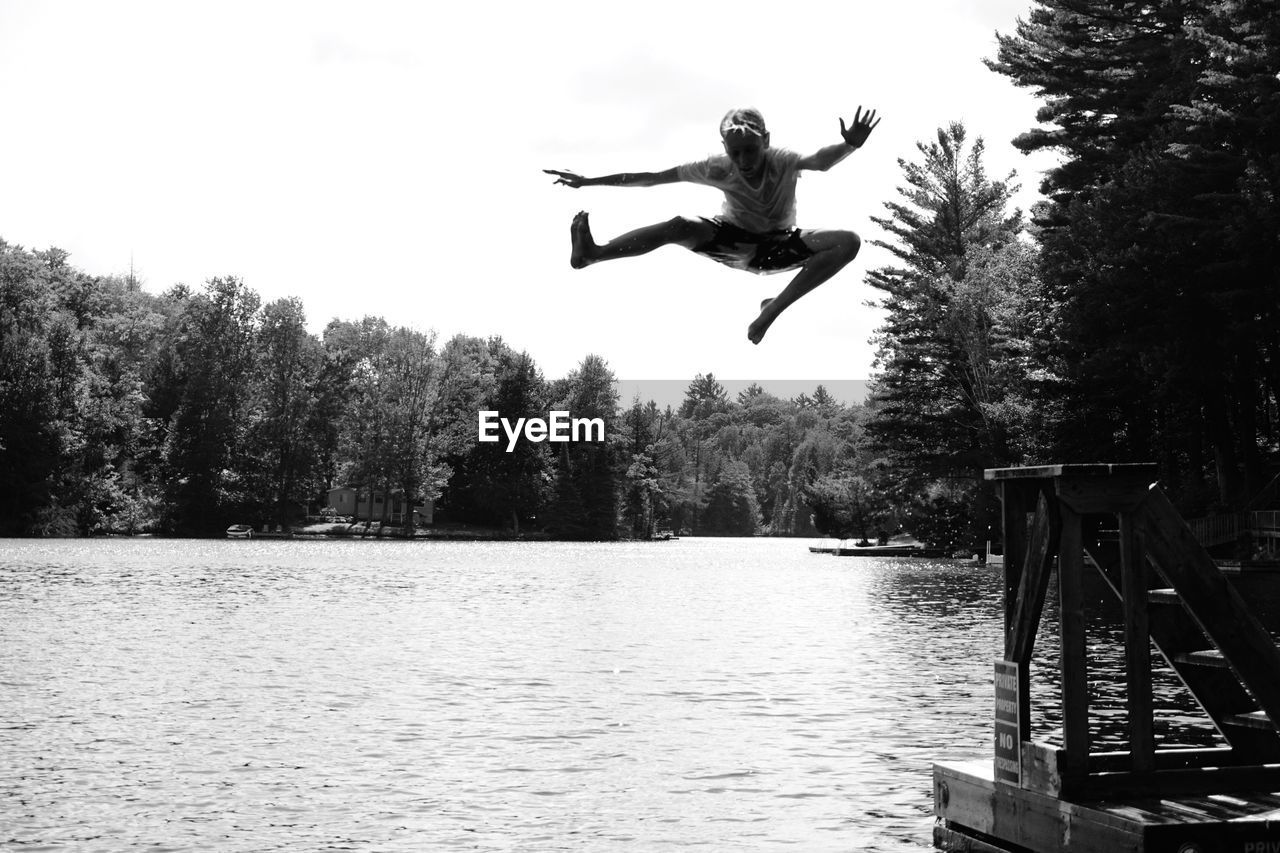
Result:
[965,795]
[966,798]
[1242,836]
[1137,646]
[1182,810]
[1214,603]
[1165,759]
[1187,782]
[1032,587]
[957,841]
[1110,495]
[1075,671]
[1040,768]
[1237,807]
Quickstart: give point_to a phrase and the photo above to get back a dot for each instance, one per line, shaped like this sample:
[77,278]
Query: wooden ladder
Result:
[1173,594]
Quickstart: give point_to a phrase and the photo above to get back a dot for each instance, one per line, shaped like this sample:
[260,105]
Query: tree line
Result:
[1132,316]
[181,413]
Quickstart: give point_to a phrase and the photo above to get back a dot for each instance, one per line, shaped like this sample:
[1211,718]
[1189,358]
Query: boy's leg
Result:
[832,251]
[679,231]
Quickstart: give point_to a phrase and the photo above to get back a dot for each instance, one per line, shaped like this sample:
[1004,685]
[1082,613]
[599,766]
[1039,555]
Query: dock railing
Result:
[1264,527]
[1266,523]
[1218,529]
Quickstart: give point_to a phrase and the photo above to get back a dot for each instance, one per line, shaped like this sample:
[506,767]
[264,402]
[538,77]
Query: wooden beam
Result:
[1015,505]
[1137,645]
[965,796]
[1191,780]
[1166,759]
[1032,586]
[1041,768]
[1075,671]
[1118,493]
[1016,498]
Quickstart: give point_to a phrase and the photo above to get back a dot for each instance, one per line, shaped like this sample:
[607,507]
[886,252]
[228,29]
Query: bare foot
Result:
[755,332]
[584,247]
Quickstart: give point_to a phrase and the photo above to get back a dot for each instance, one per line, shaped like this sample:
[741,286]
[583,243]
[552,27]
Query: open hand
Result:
[862,126]
[569,179]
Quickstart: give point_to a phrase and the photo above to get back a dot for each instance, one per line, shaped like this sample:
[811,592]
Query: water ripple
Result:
[701,694]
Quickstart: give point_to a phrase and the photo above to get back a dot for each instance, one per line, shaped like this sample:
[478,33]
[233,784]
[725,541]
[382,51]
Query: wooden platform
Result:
[982,816]
[891,551]
[880,551]
[1060,521]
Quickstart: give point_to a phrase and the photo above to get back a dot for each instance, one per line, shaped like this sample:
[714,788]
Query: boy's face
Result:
[746,152]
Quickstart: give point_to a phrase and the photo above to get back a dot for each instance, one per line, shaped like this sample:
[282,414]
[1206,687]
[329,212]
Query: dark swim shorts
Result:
[773,251]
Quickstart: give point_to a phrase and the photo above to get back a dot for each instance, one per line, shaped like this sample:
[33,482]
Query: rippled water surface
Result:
[290,695]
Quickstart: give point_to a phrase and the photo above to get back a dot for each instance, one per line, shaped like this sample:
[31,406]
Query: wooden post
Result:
[1062,496]
[1137,645]
[1015,506]
[1015,499]
[1025,609]
[1075,671]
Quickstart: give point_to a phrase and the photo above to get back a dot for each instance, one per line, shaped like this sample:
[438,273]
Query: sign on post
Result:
[1008,752]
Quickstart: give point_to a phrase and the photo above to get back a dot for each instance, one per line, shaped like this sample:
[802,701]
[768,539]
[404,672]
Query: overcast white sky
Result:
[384,158]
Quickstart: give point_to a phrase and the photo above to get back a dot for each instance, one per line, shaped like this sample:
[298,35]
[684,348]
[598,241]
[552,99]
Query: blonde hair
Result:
[743,120]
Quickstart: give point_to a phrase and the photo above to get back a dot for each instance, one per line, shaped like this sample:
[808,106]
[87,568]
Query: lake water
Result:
[715,694]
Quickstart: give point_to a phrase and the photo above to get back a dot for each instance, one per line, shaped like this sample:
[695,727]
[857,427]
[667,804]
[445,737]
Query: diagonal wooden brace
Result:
[1034,583]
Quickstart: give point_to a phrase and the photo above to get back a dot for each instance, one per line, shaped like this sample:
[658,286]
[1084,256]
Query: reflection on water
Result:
[722,694]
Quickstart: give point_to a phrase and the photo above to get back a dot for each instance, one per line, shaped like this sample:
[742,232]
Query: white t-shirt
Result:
[769,207]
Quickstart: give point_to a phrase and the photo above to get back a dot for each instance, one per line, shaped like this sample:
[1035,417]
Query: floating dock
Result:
[1044,798]
[1007,818]
[879,551]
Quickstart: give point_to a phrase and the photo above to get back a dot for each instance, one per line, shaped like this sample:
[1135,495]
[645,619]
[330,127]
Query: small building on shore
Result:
[374,505]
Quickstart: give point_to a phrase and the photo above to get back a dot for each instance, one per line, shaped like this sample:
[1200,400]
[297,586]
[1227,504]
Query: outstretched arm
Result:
[854,136]
[623,179]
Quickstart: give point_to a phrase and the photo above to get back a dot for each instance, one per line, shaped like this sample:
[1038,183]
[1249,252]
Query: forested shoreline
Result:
[1133,316]
[183,412]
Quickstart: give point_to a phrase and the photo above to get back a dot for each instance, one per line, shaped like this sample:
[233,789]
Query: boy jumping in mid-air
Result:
[756,230]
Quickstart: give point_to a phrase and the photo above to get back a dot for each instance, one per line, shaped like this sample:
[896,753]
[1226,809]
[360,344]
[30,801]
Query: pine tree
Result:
[1159,240]
[931,389]
[939,410]
[593,467]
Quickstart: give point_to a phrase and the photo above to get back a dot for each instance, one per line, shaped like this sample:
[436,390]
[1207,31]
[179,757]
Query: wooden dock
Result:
[880,551]
[1002,818]
[1039,797]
